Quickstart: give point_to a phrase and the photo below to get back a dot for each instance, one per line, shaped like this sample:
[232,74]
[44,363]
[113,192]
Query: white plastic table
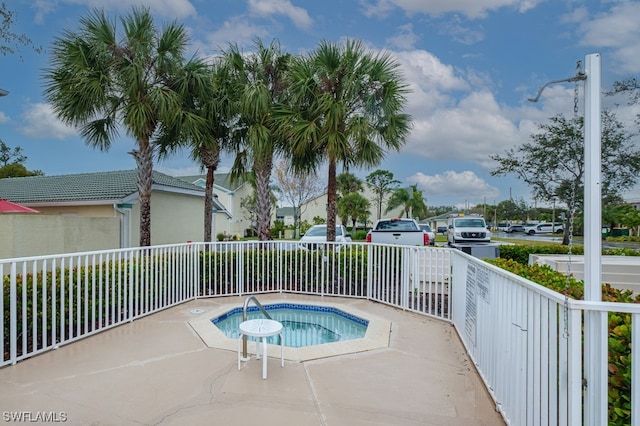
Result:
[261,329]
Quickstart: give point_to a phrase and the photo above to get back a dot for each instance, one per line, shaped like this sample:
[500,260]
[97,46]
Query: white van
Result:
[467,229]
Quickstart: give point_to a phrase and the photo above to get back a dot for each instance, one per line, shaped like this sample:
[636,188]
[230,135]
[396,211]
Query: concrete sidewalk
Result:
[158,371]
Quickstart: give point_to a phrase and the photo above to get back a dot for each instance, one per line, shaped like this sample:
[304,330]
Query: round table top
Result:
[261,327]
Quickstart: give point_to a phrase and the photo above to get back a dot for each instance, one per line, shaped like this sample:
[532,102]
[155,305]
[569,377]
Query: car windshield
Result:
[396,225]
[470,223]
[321,231]
[425,228]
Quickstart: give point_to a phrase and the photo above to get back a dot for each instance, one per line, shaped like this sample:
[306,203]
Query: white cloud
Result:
[4,118]
[465,184]
[167,8]
[472,9]
[404,39]
[446,128]
[461,32]
[235,30]
[617,30]
[266,8]
[43,8]
[428,74]
[577,15]
[380,8]
[41,122]
[470,131]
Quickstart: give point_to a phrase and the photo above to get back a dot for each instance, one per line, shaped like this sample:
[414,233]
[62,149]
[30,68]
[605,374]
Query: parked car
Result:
[515,228]
[398,231]
[318,234]
[467,229]
[442,230]
[429,231]
[544,228]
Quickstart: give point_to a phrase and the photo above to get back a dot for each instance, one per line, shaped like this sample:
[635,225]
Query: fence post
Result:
[13,315]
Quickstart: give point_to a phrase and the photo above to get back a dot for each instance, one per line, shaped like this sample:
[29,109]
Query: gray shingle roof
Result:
[220,179]
[81,187]
[286,211]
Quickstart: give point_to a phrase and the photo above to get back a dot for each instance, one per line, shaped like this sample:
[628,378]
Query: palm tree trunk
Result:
[262,171]
[144,160]
[208,204]
[210,159]
[331,200]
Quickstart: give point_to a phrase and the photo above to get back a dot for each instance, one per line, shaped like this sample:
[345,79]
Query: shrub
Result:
[520,253]
[359,235]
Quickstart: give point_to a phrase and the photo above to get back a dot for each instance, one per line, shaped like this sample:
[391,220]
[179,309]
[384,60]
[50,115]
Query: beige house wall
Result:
[318,207]
[102,210]
[38,234]
[232,201]
[175,218]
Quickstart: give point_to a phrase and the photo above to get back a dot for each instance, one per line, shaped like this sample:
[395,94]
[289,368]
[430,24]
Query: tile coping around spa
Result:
[376,337]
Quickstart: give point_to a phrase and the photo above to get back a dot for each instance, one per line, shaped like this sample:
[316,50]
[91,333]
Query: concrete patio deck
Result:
[158,371]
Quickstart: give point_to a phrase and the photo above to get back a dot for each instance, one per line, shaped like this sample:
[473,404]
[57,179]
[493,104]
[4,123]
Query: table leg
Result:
[281,350]
[264,360]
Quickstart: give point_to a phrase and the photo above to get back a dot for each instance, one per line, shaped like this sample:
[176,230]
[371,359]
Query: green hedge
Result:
[619,326]
[520,253]
[296,268]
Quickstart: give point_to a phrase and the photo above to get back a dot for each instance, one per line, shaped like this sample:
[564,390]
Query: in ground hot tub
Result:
[302,324]
[316,329]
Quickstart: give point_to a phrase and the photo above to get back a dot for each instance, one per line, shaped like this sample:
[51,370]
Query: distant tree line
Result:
[12,162]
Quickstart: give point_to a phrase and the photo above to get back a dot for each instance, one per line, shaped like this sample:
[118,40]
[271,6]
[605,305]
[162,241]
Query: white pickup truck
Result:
[398,231]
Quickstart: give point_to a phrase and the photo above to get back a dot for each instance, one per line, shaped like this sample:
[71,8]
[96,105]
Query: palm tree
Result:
[346,106]
[214,101]
[348,183]
[259,79]
[101,78]
[418,204]
[411,200]
[399,198]
[355,207]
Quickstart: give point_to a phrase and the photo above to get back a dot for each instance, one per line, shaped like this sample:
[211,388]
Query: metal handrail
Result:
[244,318]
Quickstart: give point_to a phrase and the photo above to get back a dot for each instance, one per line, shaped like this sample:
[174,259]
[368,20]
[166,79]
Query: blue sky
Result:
[471,65]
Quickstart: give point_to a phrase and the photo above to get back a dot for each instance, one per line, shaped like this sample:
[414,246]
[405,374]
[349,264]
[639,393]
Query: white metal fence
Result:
[525,340]
[528,344]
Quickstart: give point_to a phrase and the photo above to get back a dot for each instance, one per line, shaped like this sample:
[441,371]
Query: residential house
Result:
[177,207]
[318,207]
[287,215]
[229,217]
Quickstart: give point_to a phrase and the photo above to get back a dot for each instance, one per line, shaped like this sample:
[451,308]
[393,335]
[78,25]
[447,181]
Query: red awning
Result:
[7,206]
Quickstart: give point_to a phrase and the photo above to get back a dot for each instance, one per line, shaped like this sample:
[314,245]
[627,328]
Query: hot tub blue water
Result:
[303,325]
